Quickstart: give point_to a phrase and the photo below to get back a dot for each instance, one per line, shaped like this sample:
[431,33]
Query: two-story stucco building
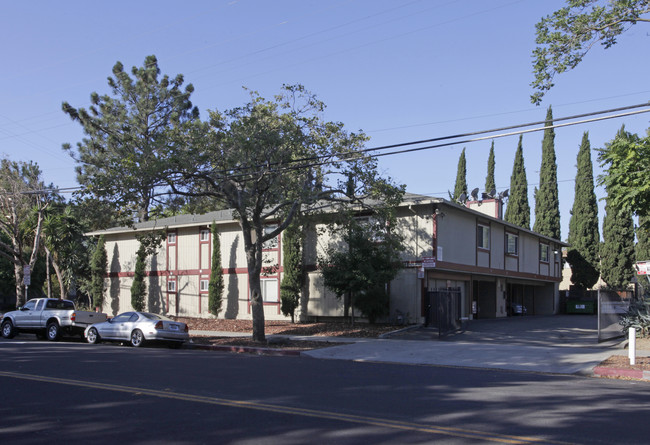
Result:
[495,265]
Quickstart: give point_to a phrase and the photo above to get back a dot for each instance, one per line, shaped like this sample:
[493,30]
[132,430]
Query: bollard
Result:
[632,346]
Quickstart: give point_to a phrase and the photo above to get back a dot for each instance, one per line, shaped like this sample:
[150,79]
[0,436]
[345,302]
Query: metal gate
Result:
[611,305]
[443,310]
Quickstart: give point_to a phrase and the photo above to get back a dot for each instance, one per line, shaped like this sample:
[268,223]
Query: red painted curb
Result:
[619,372]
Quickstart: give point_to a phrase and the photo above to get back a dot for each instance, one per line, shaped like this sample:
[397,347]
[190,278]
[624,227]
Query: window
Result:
[205,235]
[204,285]
[483,238]
[171,238]
[269,290]
[273,242]
[171,286]
[30,305]
[543,252]
[512,244]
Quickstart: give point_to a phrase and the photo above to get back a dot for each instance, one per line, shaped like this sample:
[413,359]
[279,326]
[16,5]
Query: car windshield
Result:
[153,316]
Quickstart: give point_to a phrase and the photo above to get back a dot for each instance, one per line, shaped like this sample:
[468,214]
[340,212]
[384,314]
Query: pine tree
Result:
[98,264]
[215,286]
[584,237]
[293,275]
[518,209]
[461,177]
[490,184]
[617,250]
[547,204]
[138,287]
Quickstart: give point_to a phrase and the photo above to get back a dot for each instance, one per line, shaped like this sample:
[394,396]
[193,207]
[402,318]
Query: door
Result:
[24,317]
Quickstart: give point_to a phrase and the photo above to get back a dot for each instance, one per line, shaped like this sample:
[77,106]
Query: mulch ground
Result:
[282,328]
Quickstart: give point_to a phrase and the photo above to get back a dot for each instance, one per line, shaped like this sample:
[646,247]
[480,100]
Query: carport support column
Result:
[631,349]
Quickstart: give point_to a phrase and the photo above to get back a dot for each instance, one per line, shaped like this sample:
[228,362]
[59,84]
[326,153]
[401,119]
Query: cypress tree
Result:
[642,248]
[215,286]
[138,288]
[461,177]
[547,204]
[98,264]
[583,225]
[617,250]
[518,209]
[293,276]
[490,184]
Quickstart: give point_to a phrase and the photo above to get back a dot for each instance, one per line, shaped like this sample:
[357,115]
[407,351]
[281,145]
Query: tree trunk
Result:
[48,278]
[18,274]
[257,306]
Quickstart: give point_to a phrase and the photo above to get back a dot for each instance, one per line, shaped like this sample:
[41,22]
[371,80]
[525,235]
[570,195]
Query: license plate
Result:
[173,327]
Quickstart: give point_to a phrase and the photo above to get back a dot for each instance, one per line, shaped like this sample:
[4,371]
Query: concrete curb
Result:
[246,349]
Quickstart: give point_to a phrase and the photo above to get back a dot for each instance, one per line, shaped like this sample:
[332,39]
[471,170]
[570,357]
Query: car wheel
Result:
[93,336]
[137,338]
[53,331]
[8,330]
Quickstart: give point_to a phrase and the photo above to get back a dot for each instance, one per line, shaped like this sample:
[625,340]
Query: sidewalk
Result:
[557,344]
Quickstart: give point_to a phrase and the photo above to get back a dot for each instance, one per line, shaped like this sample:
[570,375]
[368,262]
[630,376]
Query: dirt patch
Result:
[282,328]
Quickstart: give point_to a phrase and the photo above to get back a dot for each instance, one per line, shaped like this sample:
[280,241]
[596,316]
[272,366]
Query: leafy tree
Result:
[292,279]
[617,250]
[461,177]
[98,265]
[547,204]
[642,248]
[565,37]
[117,161]
[490,184]
[363,270]
[518,209]
[584,238]
[269,161]
[626,163]
[138,287]
[216,285]
[21,217]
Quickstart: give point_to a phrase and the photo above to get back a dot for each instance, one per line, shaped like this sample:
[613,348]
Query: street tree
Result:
[215,285]
[138,288]
[617,249]
[518,209]
[269,161]
[460,186]
[125,131]
[567,35]
[584,237]
[490,183]
[22,204]
[626,164]
[293,276]
[547,204]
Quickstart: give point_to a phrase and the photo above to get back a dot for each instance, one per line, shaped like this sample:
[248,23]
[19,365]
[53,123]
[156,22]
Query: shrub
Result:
[637,316]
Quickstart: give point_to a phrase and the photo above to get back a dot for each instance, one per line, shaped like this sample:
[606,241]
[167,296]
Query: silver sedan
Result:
[138,328]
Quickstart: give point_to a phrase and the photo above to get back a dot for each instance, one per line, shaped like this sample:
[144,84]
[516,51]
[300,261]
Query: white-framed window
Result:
[171,286]
[204,285]
[171,238]
[269,290]
[512,244]
[205,235]
[543,252]
[273,242]
[483,237]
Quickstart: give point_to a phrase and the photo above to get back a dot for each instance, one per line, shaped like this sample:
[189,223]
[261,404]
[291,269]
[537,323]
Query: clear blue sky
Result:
[399,70]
